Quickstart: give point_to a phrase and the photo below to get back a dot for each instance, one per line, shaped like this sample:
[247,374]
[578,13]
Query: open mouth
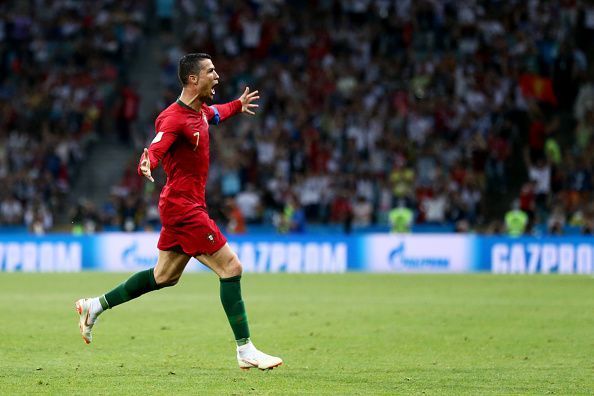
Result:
[212,90]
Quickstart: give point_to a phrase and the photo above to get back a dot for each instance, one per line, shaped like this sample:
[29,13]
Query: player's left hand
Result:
[246,100]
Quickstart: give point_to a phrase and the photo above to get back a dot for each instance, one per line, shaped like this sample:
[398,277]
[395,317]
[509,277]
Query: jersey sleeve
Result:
[167,133]
[221,112]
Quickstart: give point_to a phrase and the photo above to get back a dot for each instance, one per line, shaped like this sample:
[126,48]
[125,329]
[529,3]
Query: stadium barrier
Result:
[127,252]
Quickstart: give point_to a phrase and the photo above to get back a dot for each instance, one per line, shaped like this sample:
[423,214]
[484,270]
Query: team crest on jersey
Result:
[210,238]
[204,118]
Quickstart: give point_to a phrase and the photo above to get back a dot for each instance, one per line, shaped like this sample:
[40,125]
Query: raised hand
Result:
[145,165]
[246,100]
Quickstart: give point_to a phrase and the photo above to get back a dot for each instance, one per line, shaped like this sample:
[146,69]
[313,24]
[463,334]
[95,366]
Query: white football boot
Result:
[249,357]
[86,320]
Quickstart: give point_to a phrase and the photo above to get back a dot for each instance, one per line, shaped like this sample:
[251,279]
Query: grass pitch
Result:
[338,334]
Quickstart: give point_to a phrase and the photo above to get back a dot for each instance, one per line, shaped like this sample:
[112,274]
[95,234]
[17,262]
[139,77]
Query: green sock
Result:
[135,286]
[234,308]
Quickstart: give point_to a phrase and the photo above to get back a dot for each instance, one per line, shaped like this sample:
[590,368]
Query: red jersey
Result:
[182,145]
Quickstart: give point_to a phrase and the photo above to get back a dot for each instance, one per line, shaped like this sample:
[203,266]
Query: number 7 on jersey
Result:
[197,134]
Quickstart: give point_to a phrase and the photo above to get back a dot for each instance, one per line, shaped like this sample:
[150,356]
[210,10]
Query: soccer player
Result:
[181,144]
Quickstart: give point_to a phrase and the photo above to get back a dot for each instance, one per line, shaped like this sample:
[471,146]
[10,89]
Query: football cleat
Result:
[83,307]
[249,357]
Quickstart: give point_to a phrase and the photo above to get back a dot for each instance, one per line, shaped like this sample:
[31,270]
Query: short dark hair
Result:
[190,64]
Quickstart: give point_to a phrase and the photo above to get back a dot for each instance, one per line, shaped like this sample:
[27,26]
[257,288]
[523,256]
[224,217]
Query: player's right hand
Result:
[145,165]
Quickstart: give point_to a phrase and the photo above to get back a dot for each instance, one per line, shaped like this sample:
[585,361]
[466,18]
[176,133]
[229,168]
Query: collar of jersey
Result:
[185,106]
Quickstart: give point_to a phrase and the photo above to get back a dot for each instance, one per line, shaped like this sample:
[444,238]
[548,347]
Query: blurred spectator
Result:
[498,156]
[130,214]
[235,219]
[152,220]
[516,221]
[540,174]
[495,227]
[126,112]
[435,207]
[165,13]
[402,179]
[341,211]
[38,218]
[292,218]
[584,132]
[11,210]
[557,220]
[85,219]
[462,226]
[248,202]
[362,212]
[401,218]
[587,227]
[528,199]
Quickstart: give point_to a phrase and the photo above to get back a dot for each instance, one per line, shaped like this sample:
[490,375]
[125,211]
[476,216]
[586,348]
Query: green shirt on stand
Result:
[516,222]
[400,219]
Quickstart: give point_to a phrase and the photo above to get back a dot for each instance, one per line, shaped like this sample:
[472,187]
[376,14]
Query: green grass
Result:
[338,334]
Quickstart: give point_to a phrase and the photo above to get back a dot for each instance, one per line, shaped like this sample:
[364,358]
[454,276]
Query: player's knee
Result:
[166,280]
[233,267]
[171,282]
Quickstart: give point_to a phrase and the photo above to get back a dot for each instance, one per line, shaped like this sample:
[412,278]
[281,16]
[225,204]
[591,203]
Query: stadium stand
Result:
[457,109]
[62,65]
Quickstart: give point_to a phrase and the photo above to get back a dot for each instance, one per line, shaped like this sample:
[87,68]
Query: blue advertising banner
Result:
[129,252]
[526,255]
[63,253]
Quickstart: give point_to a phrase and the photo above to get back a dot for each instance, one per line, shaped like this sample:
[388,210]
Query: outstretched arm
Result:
[241,105]
[151,157]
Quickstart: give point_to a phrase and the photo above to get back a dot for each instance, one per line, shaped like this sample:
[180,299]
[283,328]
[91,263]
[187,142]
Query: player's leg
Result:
[170,266]
[225,263]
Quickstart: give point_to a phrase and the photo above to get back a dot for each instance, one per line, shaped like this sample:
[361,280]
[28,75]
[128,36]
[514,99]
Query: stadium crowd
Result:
[62,70]
[454,109]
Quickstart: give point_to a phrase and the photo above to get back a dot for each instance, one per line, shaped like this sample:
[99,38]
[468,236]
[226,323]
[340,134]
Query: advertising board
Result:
[436,253]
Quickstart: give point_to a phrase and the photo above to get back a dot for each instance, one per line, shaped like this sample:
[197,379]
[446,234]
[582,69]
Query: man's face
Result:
[206,80]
